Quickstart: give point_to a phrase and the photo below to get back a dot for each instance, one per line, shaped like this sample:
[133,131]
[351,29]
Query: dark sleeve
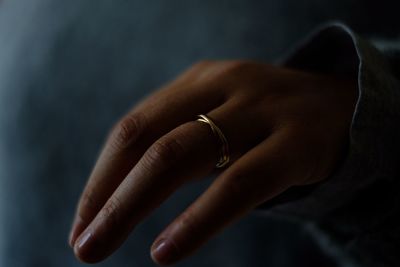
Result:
[358,207]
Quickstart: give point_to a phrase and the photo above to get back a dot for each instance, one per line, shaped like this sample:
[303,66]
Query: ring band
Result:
[224,152]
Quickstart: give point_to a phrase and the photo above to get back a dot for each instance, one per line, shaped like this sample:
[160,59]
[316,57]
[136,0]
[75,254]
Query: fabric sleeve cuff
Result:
[369,167]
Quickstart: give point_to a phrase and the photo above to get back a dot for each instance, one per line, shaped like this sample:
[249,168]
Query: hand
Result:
[284,128]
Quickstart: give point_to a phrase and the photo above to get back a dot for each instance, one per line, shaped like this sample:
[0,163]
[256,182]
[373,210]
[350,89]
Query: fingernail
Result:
[164,252]
[77,227]
[83,240]
[71,238]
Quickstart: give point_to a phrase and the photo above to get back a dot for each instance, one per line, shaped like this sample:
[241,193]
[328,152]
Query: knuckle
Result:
[111,212]
[228,71]
[128,130]
[187,221]
[202,64]
[163,152]
[235,67]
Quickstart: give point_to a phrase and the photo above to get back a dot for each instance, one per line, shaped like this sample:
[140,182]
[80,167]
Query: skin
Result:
[284,127]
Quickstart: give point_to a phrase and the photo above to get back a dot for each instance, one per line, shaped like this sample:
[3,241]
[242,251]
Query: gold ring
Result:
[224,151]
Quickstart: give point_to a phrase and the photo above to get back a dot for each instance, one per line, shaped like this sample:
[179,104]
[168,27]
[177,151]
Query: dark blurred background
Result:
[70,69]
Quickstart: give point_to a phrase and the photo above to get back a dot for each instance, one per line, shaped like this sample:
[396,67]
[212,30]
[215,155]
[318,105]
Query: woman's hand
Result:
[284,128]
